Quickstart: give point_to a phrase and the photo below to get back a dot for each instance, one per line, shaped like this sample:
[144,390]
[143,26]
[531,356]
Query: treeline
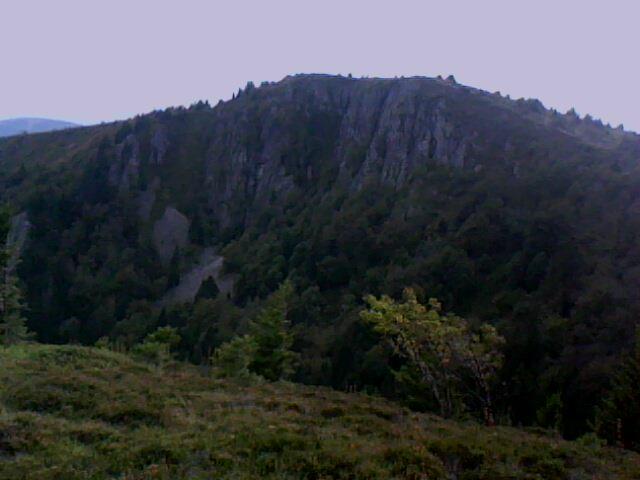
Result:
[439,361]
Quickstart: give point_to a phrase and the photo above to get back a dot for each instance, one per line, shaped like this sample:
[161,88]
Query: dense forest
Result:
[512,216]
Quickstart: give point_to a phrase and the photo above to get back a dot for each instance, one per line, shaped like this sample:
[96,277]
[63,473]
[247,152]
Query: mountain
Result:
[17,126]
[505,211]
[76,413]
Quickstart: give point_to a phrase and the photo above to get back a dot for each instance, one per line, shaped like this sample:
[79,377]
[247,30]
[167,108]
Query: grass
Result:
[71,412]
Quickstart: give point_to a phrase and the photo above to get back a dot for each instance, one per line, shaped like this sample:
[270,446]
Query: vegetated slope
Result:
[505,211]
[77,413]
[16,126]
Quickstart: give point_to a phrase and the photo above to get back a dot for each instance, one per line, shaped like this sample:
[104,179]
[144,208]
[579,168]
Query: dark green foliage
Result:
[174,269]
[5,216]
[618,418]
[203,326]
[536,232]
[266,350]
[550,416]
[208,289]
[273,358]
[141,318]
[157,346]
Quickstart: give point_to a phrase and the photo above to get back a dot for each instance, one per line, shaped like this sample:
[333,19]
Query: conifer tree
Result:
[174,269]
[266,350]
[232,359]
[618,417]
[157,346]
[13,327]
[273,358]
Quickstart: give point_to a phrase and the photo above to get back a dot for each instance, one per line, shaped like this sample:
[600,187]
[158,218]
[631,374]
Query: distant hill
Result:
[16,126]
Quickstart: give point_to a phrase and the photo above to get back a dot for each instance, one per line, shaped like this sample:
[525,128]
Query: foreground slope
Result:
[76,413]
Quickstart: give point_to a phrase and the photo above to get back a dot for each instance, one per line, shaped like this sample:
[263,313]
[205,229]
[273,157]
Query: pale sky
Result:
[99,60]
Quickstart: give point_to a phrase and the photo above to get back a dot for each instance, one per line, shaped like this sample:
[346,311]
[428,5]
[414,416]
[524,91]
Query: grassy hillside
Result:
[77,413]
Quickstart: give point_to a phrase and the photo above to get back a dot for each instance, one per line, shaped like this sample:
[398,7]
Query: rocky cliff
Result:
[321,131]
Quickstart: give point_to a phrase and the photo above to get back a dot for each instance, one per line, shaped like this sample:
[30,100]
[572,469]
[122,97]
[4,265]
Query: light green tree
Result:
[232,359]
[441,347]
[157,346]
[270,330]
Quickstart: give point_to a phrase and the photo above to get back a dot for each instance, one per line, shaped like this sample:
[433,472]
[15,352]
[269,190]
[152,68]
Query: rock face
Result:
[159,145]
[170,232]
[146,199]
[124,171]
[365,131]
[17,237]
[315,131]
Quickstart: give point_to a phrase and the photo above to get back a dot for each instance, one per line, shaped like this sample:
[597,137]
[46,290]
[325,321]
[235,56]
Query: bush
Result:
[233,358]
[157,346]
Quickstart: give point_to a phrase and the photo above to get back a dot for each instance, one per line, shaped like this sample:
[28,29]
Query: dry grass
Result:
[81,413]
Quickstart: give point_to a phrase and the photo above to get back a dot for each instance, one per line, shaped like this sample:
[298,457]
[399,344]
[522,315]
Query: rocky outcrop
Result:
[408,134]
[159,145]
[17,237]
[124,171]
[146,200]
[318,131]
[170,232]
[375,130]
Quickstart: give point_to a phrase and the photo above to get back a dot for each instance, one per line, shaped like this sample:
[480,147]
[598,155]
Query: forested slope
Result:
[507,212]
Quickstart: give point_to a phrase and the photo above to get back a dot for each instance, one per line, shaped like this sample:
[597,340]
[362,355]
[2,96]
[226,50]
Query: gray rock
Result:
[159,145]
[146,200]
[125,170]
[170,232]
[17,237]
[385,130]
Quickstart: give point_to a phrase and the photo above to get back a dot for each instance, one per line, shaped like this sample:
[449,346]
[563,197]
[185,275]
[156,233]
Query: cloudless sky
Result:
[99,60]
